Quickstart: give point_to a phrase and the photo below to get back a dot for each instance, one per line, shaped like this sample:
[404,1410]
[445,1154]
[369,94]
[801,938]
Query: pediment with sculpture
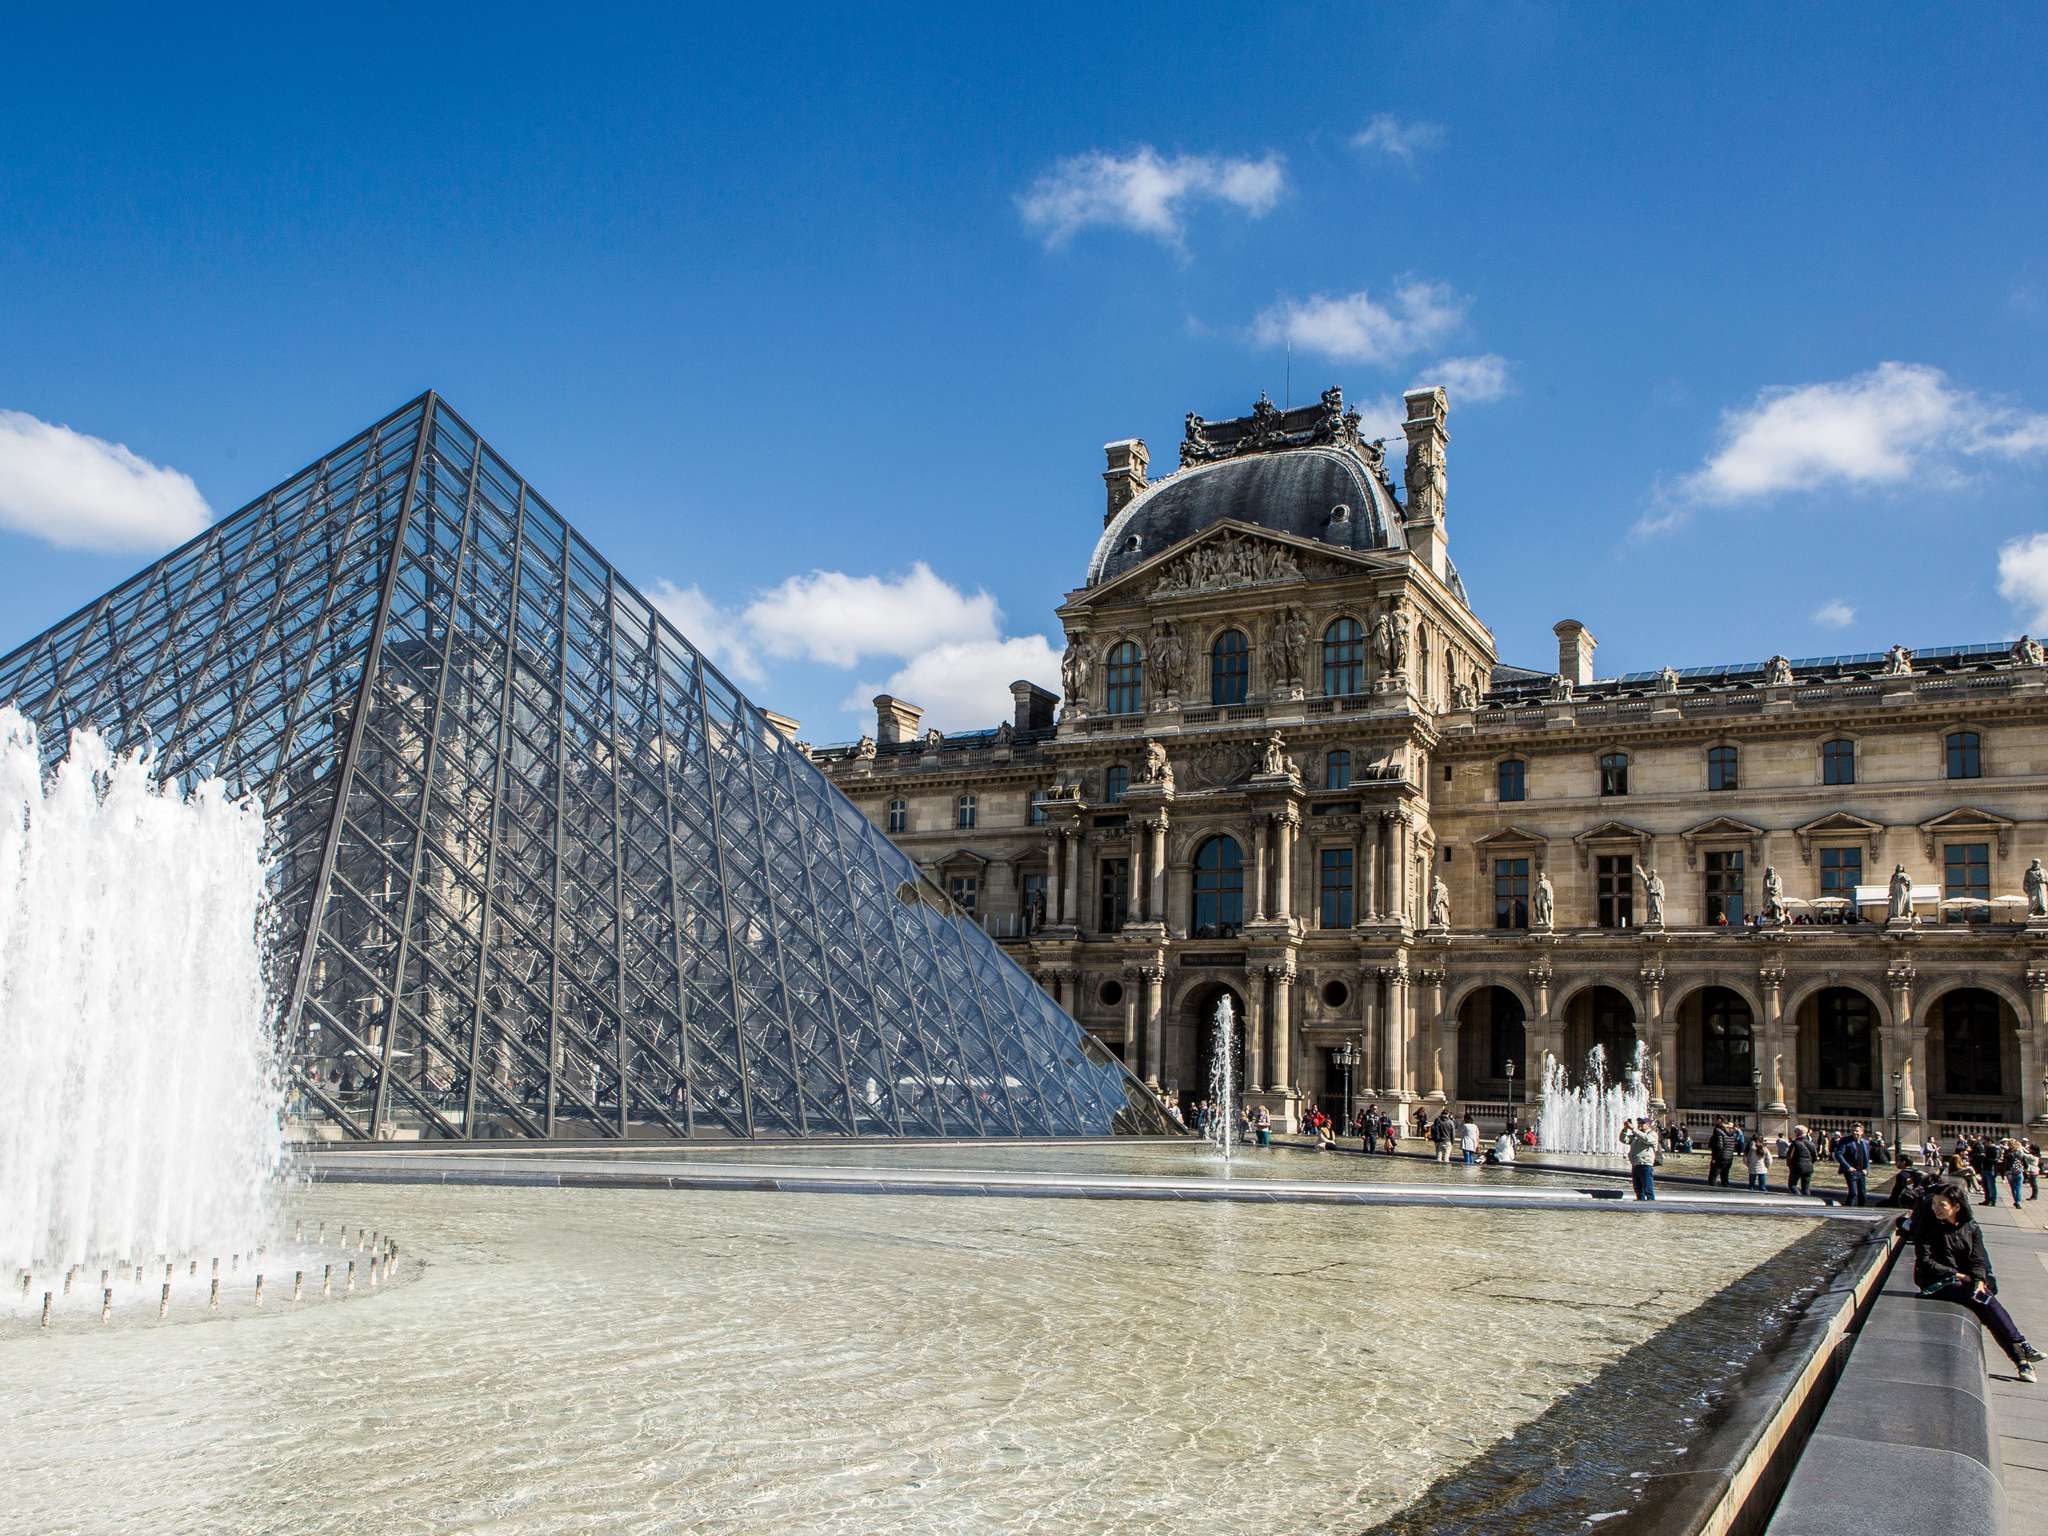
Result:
[1229,557]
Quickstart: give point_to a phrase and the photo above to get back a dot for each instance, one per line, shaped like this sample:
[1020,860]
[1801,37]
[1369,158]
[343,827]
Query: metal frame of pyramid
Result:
[542,870]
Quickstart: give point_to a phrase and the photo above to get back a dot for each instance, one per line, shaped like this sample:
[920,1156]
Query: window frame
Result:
[1511,888]
[896,817]
[1116,781]
[966,812]
[1615,889]
[1335,859]
[1726,1004]
[1715,888]
[1828,759]
[1123,679]
[1230,668]
[1520,765]
[1336,775]
[1963,746]
[1343,658]
[1724,767]
[1113,893]
[1979,1002]
[1613,768]
[1968,885]
[1220,885]
[971,883]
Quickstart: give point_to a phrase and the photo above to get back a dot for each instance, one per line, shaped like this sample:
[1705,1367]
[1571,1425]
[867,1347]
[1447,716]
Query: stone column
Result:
[1077,856]
[1398,1027]
[1258,870]
[1540,1029]
[1155,1021]
[1156,878]
[1373,1069]
[1255,1029]
[1663,1043]
[1283,1039]
[1133,1047]
[1368,871]
[1284,826]
[1443,1069]
[1140,904]
[2033,1075]
[1397,871]
[1055,877]
[1771,1095]
[1910,1047]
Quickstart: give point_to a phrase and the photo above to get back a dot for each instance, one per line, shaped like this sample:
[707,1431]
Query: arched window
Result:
[1838,761]
[1727,1040]
[899,815]
[1115,780]
[1965,755]
[1219,889]
[1721,768]
[1343,659]
[1511,779]
[1125,675]
[966,811]
[1847,1026]
[1614,773]
[1230,671]
[1971,1047]
[1337,770]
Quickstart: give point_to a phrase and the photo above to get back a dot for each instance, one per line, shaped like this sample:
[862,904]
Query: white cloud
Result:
[1835,614]
[1386,134]
[1875,429]
[717,632]
[965,685]
[1145,192]
[81,492]
[1356,328]
[1473,380]
[835,618]
[2023,577]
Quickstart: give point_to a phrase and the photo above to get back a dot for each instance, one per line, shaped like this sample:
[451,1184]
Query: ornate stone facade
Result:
[1290,770]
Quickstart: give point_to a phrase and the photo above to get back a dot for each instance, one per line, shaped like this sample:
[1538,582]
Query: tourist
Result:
[1799,1161]
[1758,1161]
[2030,1165]
[1367,1129]
[1642,1159]
[1720,1153]
[1879,1152]
[1957,1170]
[1984,1158]
[1264,1124]
[1852,1156]
[1504,1149]
[2011,1167]
[1950,1264]
[1782,1146]
[1387,1124]
[1468,1140]
[1442,1134]
[1909,1184]
[1326,1136]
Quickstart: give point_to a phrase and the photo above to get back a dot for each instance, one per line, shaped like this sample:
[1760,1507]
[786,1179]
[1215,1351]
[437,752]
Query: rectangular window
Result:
[1965,755]
[899,816]
[1337,771]
[1510,779]
[1336,887]
[1510,893]
[1720,768]
[1966,880]
[1838,762]
[1616,886]
[1614,774]
[1724,887]
[1115,780]
[1841,871]
[1113,887]
[1032,894]
[965,891]
[966,812]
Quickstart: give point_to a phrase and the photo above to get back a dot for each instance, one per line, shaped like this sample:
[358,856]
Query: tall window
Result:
[1966,877]
[1720,767]
[1846,1027]
[1335,886]
[1115,780]
[1614,773]
[1343,659]
[1971,1044]
[1113,891]
[1219,889]
[965,891]
[1615,885]
[1838,761]
[1337,770]
[1230,672]
[966,811]
[1124,677]
[899,815]
[1510,893]
[1036,812]
[1727,1040]
[1841,871]
[1511,779]
[1033,896]
[1965,755]
[1724,886]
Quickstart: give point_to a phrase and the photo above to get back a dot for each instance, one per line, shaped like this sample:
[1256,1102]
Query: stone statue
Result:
[1657,1076]
[1898,662]
[1667,679]
[1276,755]
[1439,903]
[1169,661]
[1561,688]
[1294,644]
[1778,1079]
[1907,1107]
[865,748]
[1390,643]
[1155,769]
[1778,672]
[2035,883]
[1436,1073]
[1038,909]
[1545,904]
[1774,895]
[1901,895]
[1074,667]
[1462,696]
[1653,897]
[2028,652]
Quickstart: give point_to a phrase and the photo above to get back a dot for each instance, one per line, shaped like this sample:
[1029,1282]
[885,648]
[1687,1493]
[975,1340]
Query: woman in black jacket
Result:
[1799,1160]
[1950,1264]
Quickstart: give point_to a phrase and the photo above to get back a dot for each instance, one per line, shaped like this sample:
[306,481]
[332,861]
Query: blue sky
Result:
[815,322]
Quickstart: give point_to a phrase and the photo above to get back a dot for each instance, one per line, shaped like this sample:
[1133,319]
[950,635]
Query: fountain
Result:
[1223,1077]
[1587,1118]
[140,1104]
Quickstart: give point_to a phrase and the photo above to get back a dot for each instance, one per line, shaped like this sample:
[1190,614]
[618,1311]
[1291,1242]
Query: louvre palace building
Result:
[1289,768]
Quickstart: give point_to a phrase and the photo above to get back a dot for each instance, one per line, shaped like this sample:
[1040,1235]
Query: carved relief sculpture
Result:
[1225,563]
[1425,477]
[1544,908]
[1462,696]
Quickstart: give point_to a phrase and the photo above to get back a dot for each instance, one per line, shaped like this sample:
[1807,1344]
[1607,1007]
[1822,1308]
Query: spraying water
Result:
[1588,1118]
[140,1107]
[1223,1076]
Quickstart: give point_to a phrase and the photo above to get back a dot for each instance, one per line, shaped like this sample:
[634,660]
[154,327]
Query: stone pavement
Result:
[2018,1241]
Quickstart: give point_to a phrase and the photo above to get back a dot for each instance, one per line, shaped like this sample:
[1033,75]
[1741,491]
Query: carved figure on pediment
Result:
[2035,883]
[1543,910]
[1276,760]
[1667,679]
[1462,696]
[1168,659]
[2028,652]
[1901,890]
[1778,672]
[864,748]
[1074,669]
[1774,895]
[1561,688]
[1898,662]
[1439,902]
[1155,769]
[1653,896]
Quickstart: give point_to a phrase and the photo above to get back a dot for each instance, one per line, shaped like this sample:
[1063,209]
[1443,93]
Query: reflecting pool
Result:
[587,1360]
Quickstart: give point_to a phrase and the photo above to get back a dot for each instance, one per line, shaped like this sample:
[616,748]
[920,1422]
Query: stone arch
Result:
[1587,1020]
[1687,1017]
[1744,987]
[1562,995]
[1924,998]
[1485,1037]
[1190,1036]
[1805,990]
[1181,842]
[1510,984]
[1830,1082]
[1968,1077]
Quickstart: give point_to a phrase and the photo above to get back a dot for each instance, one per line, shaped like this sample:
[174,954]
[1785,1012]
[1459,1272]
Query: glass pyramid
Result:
[543,872]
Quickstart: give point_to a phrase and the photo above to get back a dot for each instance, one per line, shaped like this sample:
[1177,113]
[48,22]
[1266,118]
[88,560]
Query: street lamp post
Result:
[1898,1082]
[1347,1058]
[1511,1094]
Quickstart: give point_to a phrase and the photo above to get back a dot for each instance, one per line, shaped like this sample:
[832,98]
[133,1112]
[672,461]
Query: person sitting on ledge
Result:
[1910,1184]
[1950,1264]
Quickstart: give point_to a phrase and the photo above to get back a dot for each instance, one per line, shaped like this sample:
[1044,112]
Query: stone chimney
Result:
[1125,476]
[1034,706]
[1427,409]
[895,720]
[785,725]
[1575,647]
